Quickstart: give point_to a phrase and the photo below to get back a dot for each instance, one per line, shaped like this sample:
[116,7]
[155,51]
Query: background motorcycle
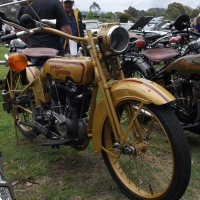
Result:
[6,189]
[180,75]
[74,99]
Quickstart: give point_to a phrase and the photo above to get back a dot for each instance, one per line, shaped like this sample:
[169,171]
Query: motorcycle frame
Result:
[112,92]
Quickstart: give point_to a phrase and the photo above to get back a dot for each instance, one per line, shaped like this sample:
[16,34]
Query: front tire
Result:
[152,159]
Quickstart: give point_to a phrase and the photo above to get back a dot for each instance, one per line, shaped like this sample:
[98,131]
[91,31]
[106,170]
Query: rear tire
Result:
[154,160]
[132,70]
[24,113]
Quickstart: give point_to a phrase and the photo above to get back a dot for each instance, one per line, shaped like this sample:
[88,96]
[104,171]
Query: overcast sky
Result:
[121,5]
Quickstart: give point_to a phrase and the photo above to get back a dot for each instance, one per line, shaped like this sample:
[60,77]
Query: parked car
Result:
[93,25]
[141,28]
[127,26]
[136,30]
[163,26]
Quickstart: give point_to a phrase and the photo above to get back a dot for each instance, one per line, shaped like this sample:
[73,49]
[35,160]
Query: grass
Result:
[43,173]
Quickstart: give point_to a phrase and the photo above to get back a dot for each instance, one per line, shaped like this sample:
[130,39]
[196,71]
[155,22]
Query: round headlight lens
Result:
[118,38]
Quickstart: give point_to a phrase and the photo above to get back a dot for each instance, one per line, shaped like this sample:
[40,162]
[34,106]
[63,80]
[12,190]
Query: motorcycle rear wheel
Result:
[154,160]
[24,113]
[132,70]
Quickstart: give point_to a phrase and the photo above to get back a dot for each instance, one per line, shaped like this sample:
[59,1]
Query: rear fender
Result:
[141,90]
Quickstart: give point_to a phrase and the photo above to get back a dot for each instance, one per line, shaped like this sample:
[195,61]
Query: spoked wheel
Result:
[24,112]
[148,160]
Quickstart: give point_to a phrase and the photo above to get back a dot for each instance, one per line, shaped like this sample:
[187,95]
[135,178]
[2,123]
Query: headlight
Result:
[114,37]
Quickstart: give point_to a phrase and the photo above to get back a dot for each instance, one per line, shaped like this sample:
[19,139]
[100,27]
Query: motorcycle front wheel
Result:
[150,159]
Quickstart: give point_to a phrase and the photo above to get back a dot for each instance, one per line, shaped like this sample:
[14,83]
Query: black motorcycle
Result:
[180,74]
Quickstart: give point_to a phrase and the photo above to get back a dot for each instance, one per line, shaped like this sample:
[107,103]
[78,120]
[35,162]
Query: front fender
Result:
[141,90]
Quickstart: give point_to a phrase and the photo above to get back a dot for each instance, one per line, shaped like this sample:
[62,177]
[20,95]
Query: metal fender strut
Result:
[138,89]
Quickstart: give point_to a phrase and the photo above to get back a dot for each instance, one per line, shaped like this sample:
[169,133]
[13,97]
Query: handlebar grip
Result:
[8,37]
[195,33]
[178,32]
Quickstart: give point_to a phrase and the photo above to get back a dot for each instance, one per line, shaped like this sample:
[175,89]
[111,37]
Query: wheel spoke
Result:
[143,162]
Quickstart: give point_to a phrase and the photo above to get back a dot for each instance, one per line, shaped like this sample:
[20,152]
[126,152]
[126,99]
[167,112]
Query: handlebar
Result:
[186,31]
[2,62]
[9,37]
[42,27]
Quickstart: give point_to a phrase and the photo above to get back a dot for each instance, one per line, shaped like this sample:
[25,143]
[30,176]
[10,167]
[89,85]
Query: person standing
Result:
[46,9]
[75,18]
[196,26]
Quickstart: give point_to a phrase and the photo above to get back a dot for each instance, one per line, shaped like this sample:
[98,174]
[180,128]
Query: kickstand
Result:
[15,127]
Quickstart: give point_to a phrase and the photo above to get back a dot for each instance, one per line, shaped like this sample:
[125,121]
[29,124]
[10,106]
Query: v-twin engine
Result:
[187,93]
[66,116]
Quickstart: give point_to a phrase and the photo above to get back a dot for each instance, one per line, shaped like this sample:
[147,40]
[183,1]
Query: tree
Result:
[132,11]
[194,13]
[174,10]
[89,15]
[124,17]
[110,15]
[95,7]
[188,10]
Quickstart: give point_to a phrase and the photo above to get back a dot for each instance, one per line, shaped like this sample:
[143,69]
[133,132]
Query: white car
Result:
[93,25]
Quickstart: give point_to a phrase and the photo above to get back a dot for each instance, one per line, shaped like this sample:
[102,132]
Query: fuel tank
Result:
[186,65]
[77,69]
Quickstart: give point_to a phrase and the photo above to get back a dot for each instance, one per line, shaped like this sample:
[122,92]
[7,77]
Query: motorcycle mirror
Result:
[26,19]
[182,22]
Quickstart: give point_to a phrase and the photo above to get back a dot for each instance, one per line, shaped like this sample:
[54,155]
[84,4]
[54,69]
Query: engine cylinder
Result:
[196,90]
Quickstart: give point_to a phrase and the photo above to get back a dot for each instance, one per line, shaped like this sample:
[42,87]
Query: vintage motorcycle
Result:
[180,74]
[75,99]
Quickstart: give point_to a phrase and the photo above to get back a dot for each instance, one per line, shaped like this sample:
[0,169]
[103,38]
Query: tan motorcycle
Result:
[75,99]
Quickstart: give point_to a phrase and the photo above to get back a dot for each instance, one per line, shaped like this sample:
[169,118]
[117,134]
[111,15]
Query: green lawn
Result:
[3,69]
